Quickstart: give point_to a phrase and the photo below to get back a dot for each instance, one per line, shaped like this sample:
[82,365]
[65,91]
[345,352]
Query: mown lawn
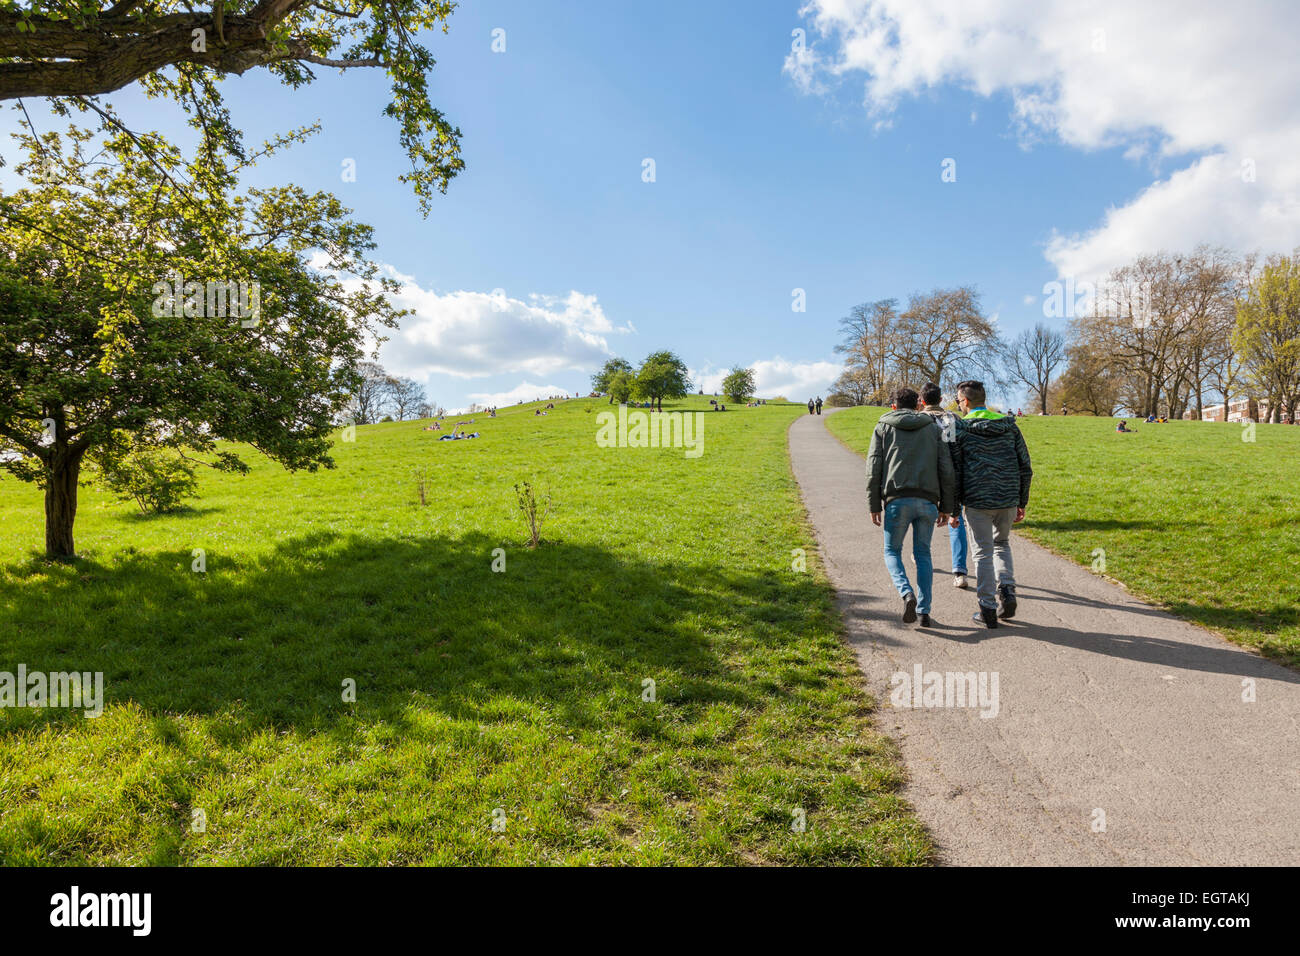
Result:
[1188,514]
[516,694]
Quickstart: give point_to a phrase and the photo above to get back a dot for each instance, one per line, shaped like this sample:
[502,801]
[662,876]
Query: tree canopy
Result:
[738,386]
[73,51]
[662,375]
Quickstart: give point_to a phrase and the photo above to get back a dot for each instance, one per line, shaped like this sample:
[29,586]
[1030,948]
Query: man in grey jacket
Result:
[910,484]
[993,475]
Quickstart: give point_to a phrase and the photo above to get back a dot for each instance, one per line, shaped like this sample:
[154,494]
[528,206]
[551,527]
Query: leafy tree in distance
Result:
[738,386]
[95,343]
[621,386]
[662,375]
[604,379]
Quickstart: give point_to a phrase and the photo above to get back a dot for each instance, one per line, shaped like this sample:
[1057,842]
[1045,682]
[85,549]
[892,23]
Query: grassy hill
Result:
[1188,514]
[515,696]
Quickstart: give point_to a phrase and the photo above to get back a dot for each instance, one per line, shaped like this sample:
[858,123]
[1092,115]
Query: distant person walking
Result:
[819,404]
[910,484]
[931,397]
[993,475]
[811,405]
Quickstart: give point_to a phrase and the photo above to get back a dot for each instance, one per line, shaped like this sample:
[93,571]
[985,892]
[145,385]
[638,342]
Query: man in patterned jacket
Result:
[993,473]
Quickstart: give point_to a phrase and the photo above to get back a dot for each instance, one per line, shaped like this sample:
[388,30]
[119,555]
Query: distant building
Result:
[1237,412]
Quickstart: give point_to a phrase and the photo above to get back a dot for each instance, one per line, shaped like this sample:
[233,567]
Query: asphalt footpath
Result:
[1091,729]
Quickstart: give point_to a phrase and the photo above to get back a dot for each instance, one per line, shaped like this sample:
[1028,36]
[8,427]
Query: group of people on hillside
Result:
[815,405]
[928,467]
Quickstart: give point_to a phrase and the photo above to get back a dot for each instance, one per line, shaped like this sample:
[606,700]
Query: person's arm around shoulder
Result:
[875,476]
[947,479]
[958,467]
[1026,474]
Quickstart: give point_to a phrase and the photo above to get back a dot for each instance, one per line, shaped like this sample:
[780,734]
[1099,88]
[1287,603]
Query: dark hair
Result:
[904,397]
[972,391]
[931,393]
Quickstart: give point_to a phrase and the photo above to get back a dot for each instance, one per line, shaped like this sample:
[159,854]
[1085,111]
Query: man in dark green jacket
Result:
[910,484]
[993,475]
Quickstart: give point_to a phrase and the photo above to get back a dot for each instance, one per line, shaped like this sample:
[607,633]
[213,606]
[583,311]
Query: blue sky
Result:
[822,174]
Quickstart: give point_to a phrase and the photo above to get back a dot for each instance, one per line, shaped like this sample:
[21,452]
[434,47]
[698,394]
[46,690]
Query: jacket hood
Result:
[906,419]
[989,426]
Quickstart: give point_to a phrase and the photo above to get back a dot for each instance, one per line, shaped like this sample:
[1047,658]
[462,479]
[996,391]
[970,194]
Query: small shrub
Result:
[422,482]
[158,480]
[534,512]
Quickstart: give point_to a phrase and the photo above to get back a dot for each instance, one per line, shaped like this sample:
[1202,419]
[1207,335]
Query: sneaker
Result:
[988,616]
[1008,594]
[959,579]
[909,608]
[925,620]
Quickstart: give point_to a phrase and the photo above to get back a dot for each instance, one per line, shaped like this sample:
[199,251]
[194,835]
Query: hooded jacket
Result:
[909,459]
[991,461]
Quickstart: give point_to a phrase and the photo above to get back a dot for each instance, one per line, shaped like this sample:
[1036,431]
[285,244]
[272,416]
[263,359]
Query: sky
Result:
[799,157]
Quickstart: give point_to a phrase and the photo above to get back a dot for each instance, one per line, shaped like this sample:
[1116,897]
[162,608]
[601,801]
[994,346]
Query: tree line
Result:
[662,375]
[1163,335]
[380,396]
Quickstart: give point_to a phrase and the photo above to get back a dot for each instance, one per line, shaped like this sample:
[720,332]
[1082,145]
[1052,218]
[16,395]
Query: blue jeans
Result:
[919,515]
[957,541]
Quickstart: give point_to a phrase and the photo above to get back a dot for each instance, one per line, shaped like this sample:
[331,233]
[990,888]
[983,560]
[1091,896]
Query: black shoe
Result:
[909,609]
[988,616]
[925,620]
[1008,600]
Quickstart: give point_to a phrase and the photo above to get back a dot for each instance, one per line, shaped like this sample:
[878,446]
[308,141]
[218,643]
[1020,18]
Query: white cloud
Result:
[1165,79]
[524,391]
[476,334]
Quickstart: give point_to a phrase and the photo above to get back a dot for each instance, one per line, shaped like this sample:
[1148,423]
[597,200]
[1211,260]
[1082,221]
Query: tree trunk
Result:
[61,505]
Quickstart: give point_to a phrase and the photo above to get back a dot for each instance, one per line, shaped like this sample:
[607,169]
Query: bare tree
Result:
[406,395]
[1032,358]
[867,338]
[374,395]
[854,386]
[943,333]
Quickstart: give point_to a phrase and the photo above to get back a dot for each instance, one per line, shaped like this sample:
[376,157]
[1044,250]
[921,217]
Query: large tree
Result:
[73,51]
[941,335]
[738,386]
[867,338]
[853,387]
[407,397]
[603,379]
[373,394]
[662,375]
[140,295]
[1268,332]
[1032,358]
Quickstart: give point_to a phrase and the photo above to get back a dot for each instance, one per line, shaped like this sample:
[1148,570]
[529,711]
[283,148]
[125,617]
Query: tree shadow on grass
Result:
[571,630]
[180,511]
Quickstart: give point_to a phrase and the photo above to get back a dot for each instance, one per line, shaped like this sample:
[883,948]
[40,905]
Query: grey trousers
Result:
[990,530]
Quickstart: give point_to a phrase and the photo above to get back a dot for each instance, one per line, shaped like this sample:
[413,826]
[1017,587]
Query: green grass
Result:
[476,690]
[1189,515]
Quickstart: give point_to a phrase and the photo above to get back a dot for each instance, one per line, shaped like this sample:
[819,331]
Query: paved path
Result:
[1105,704]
